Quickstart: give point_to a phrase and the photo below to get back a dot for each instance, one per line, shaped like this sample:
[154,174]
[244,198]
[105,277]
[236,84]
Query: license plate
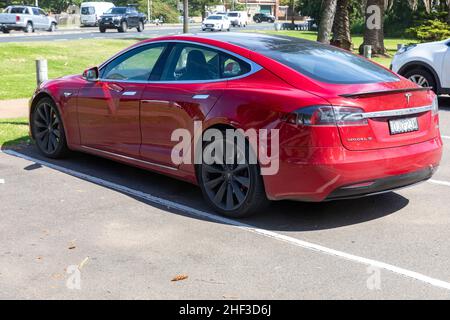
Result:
[403,125]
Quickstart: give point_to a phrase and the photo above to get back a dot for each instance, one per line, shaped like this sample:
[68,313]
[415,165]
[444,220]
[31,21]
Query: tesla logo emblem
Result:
[408,97]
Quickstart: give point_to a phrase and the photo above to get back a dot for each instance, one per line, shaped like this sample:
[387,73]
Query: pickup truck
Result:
[26,18]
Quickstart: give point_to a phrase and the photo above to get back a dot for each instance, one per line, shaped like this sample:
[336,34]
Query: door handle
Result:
[201,96]
[114,87]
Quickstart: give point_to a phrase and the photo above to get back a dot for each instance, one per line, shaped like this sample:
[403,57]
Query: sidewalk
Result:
[15,108]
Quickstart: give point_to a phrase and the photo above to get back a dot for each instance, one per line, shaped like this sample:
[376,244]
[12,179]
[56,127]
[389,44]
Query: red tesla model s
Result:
[346,127]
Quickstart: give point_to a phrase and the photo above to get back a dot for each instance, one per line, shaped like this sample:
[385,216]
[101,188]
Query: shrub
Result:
[432,30]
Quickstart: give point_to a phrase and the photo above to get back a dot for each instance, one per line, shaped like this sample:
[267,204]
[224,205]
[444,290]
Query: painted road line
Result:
[442,183]
[445,137]
[213,217]
[2,181]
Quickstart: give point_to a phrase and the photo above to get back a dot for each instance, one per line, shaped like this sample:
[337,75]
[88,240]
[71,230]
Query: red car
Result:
[347,127]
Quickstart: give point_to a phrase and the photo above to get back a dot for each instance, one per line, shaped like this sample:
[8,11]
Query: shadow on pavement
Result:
[280,216]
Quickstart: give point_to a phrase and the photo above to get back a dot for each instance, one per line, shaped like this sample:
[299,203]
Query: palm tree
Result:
[326,20]
[341,26]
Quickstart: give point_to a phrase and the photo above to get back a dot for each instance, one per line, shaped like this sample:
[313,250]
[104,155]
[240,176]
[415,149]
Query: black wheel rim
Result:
[227,185]
[47,128]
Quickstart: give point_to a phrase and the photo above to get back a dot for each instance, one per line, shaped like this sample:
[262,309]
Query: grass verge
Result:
[17,61]
[13,131]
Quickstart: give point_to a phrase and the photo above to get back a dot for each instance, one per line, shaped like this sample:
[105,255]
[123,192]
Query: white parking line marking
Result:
[445,137]
[210,216]
[2,181]
[442,183]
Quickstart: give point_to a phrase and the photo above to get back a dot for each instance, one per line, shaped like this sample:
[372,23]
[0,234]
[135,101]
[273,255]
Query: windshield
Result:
[214,18]
[117,10]
[88,10]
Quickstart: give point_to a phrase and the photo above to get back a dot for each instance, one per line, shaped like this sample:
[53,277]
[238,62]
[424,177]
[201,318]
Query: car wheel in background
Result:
[48,129]
[102,29]
[52,27]
[5,31]
[123,27]
[234,190]
[140,27]
[29,28]
[422,78]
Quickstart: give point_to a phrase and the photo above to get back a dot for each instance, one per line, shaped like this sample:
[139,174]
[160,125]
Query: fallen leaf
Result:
[39,258]
[180,277]
[71,247]
[230,297]
[81,265]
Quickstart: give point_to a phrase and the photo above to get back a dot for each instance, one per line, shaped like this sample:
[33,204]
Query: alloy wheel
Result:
[47,128]
[419,80]
[227,185]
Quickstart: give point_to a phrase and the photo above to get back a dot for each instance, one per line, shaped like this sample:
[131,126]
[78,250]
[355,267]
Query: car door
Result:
[132,17]
[108,109]
[45,19]
[38,21]
[446,69]
[192,81]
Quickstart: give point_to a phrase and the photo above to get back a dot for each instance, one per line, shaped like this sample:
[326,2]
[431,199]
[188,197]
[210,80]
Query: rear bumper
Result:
[322,174]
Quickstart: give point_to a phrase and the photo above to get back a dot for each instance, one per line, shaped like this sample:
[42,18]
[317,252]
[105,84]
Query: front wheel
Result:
[52,27]
[123,27]
[102,29]
[422,78]
[235,190]
[140,27]
[48,130]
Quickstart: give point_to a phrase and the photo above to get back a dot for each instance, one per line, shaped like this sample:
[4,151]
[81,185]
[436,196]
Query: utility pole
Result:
[185,16]
[149,10]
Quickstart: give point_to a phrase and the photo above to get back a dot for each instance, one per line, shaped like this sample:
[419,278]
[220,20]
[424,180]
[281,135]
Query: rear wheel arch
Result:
[421,66]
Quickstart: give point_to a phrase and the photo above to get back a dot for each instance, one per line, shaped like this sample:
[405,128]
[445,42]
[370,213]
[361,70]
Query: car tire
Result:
[29,28]
[422,78]
[52,27]
[6,31]
[235,191]
[123,27]
[48,129]
[140,27]
[102,29]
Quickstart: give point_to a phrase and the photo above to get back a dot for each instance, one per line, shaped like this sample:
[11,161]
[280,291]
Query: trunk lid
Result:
[395,117]
[7,18]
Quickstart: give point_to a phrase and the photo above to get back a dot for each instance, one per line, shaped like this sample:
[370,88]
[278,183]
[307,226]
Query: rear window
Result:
[88,10]
[18,10]
[327,64]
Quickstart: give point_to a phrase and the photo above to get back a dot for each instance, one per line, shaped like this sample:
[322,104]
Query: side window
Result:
[42,13]
[134,65]
[189,62]
[232,67]
[35,11]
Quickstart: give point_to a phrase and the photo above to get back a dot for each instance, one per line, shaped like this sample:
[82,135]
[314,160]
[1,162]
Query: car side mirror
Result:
[91,74]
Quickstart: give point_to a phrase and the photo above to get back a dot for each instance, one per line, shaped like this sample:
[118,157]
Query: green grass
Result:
[13,131]
[390,43]
[17,61]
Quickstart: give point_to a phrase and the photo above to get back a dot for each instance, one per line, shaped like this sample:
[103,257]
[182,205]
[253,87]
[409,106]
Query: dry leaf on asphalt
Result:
[180,277]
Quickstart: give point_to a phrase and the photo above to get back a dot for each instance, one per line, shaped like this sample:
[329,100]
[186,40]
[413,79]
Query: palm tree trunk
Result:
[374,30]
[326,20]
[341,26]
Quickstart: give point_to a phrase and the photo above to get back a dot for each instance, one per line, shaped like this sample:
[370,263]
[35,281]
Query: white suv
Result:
[427,64]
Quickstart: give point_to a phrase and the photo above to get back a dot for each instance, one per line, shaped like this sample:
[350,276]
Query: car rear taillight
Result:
[17,18]
[435,106]
[327,115]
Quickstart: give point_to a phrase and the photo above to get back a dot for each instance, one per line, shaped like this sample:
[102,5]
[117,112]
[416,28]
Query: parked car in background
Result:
[216,22]
[238,18]
[427,64]
[336,140]
[122,19]
[91,12]
[26,18]
[263,17]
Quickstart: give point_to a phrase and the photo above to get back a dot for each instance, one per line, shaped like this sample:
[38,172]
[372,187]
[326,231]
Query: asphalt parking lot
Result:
[85,227]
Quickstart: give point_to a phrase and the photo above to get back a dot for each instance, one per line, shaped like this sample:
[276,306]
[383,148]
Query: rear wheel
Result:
[422,78]
[48,129]
[234,190]
[5,31]
[28,28]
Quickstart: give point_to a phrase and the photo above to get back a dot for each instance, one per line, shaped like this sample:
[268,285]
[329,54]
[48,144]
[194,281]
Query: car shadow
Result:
[279,216]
